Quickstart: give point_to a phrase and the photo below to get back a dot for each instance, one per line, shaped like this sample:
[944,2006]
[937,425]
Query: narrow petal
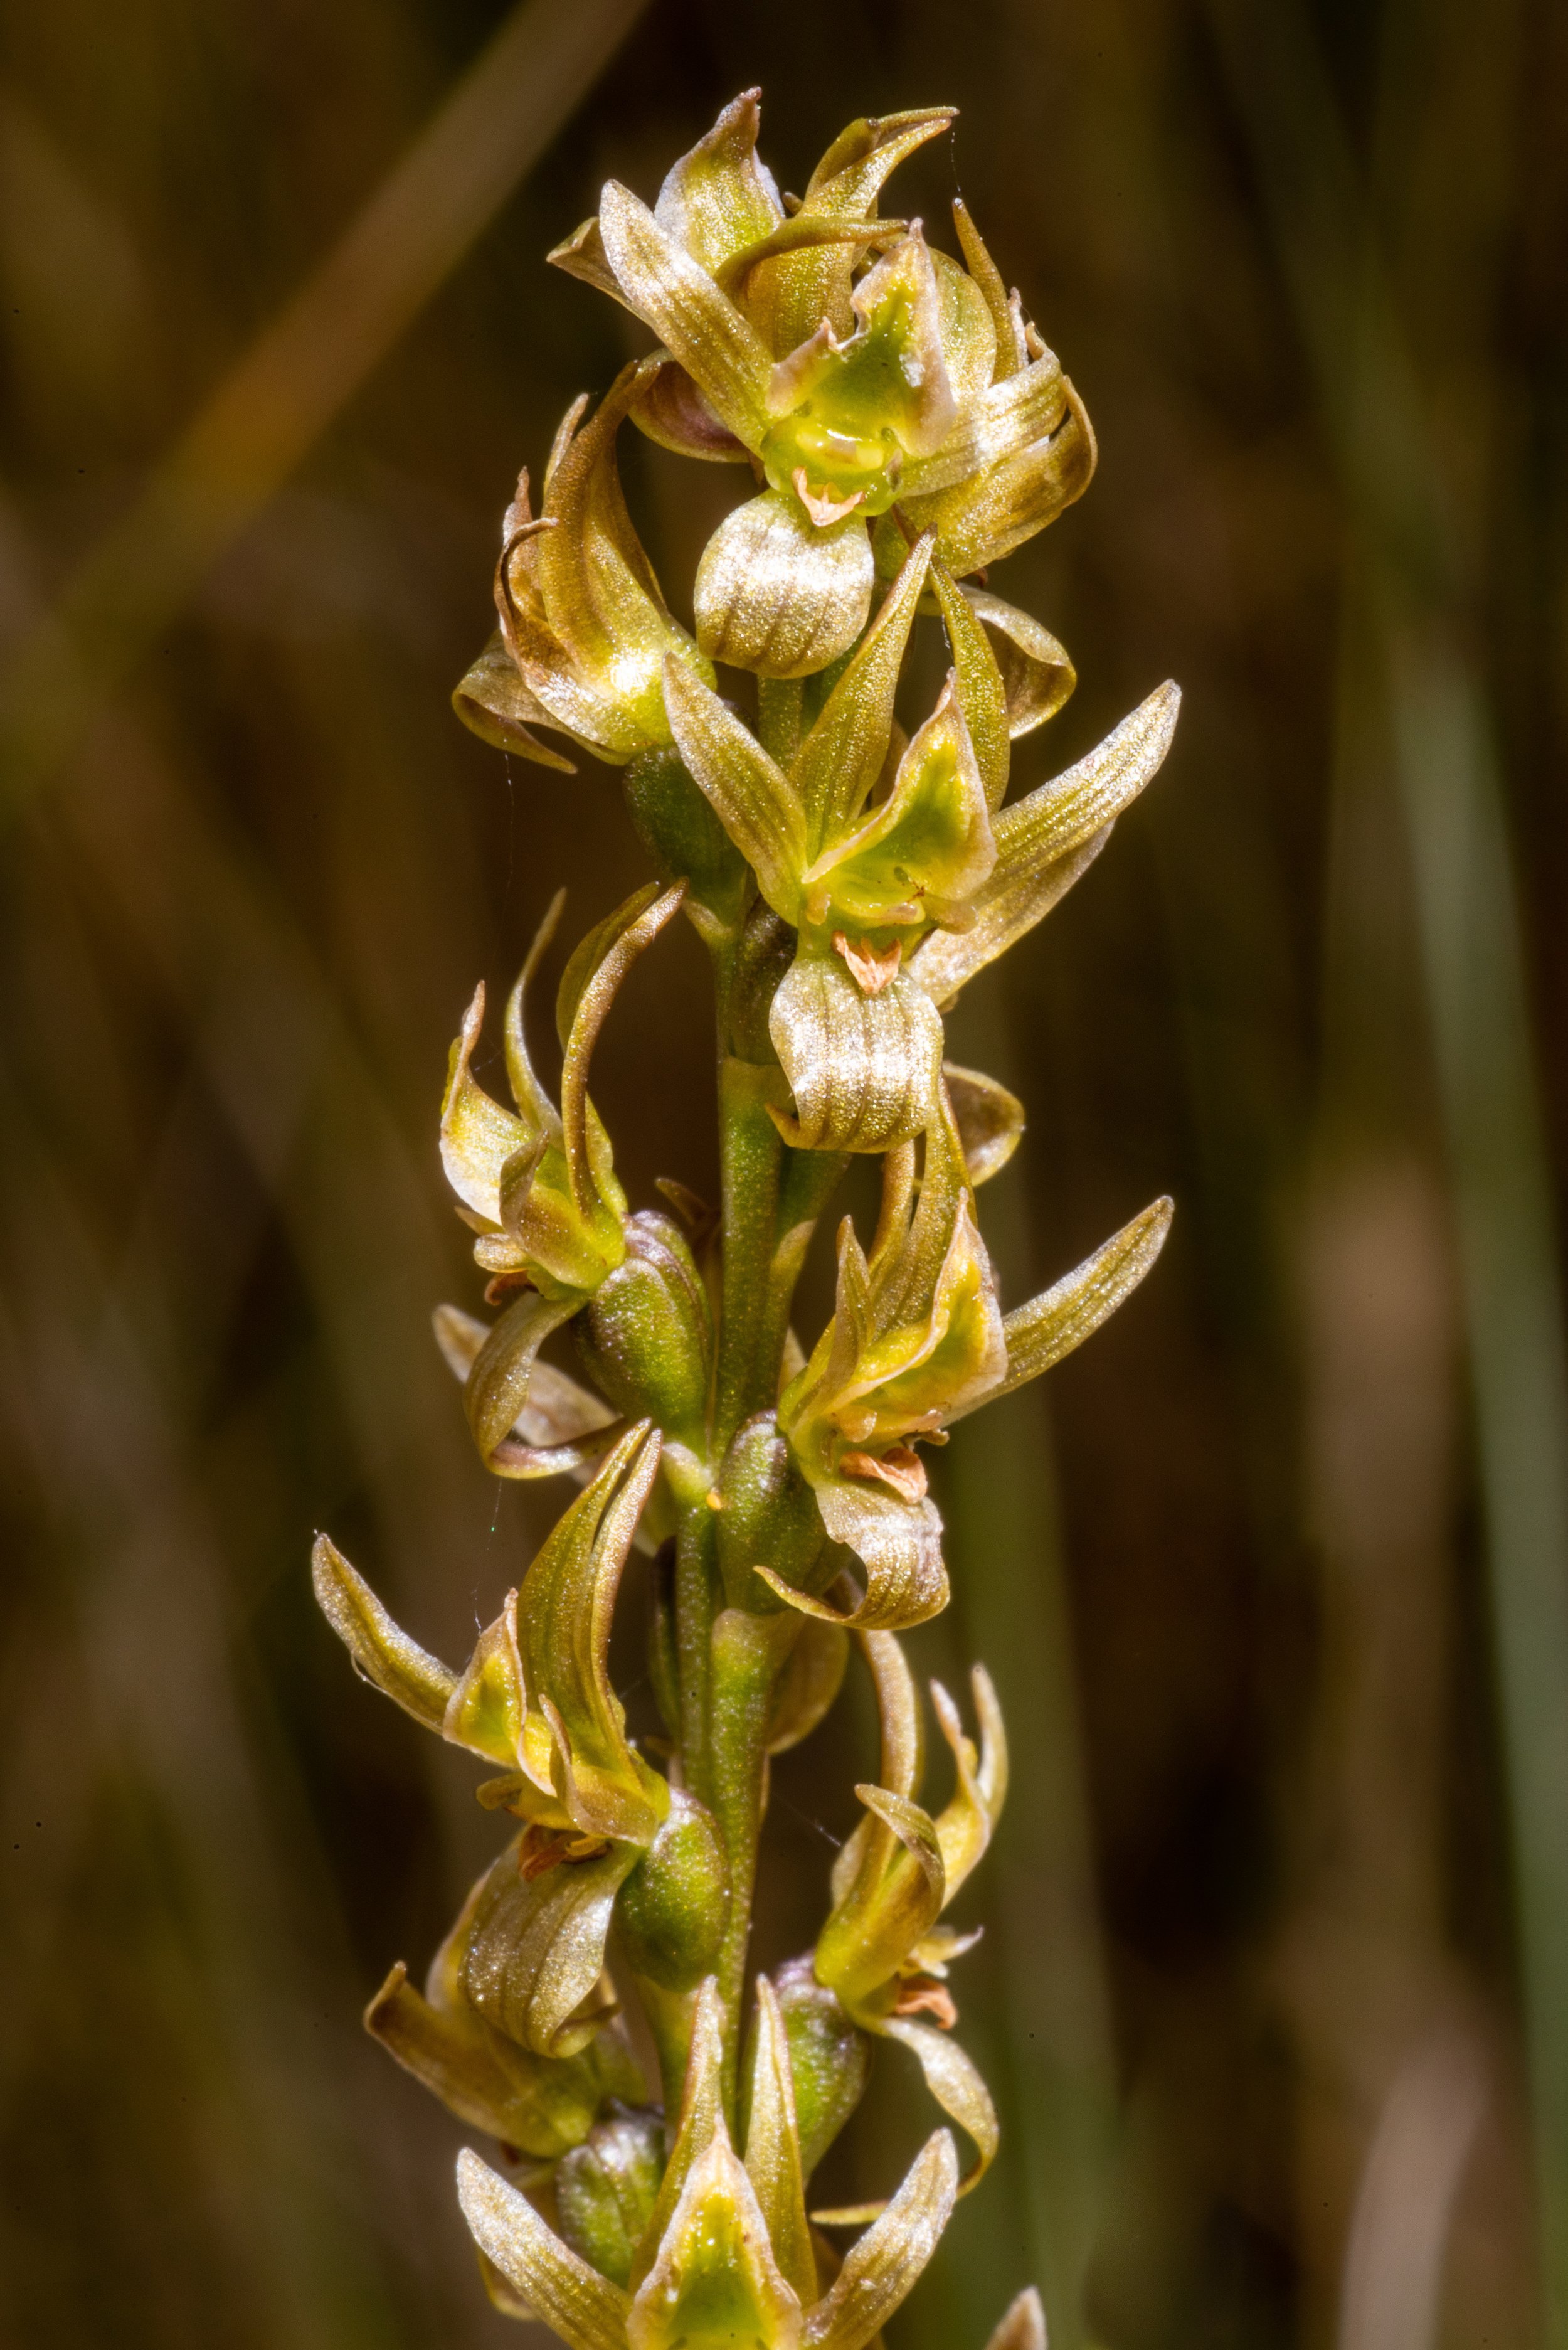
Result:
[699,2120]
[588,987]
[964,1824]
[756,803]
[777,595]
[982,692]
[1010,354]
[864,1070]
[899,1544]
[382,1653]
[891,1905]
[772,2147]
[990,1121]
[697,324]
[789,298]
[585,2309]
[1050,1325]
[719,199]
[1008,418]
[1045,841]
[536,1950]
[564,1614]
[967,329]
[533,1104]
[846,749]
[1036,674]
[886,2263]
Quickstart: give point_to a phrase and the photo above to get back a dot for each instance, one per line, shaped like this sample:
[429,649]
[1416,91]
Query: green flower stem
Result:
[807,1182]
[751,1152]
[696,1604]
[748,1652]
[669,2019]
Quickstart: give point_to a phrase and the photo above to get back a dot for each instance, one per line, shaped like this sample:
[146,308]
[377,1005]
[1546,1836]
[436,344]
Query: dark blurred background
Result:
[1273,1575]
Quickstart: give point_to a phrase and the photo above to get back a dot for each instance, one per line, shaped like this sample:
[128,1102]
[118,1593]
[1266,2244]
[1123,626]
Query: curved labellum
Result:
[864,1067]
[781,593]
[533,1963]
[560,1428]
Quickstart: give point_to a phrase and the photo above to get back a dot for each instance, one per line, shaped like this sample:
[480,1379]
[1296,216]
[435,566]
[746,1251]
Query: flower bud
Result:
[768,1517]
[673,1907]
[645,1337]
[686,842]
[830,2058]
[606,2188]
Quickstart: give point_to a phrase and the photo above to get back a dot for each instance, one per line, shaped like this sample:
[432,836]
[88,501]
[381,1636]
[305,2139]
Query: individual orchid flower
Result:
[848,393]
[917,1340]
[889,893]
[537,1184]
[726,2258]
[584,628]
[916,1333]
[883,1952]
[535,1697]
[540,2105]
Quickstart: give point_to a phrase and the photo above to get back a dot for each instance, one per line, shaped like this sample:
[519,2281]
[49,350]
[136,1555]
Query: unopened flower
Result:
[915,380]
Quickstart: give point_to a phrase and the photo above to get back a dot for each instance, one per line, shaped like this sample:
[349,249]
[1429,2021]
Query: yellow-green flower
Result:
[539,1184]
[726,2260]
[883,1952]
[914,380]
[917,1341]
[584,630]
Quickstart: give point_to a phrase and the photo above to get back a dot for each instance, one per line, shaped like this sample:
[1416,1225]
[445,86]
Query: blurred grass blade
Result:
[299,374]
[1398,2233]
[1474,967]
